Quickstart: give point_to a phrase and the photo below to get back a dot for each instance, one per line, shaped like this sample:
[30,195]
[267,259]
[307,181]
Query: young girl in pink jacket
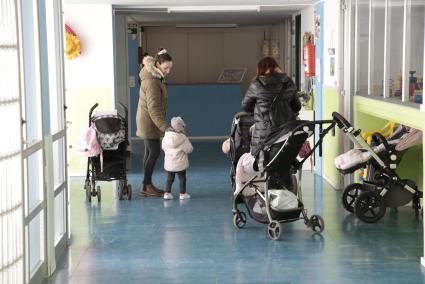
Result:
[176,147]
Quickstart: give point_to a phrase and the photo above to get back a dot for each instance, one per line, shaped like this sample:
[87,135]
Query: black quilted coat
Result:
[259,98]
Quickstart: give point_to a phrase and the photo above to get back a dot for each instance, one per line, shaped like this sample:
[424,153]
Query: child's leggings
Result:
[182,181]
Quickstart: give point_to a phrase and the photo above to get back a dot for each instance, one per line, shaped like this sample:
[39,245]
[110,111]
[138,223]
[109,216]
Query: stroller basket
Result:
[258,212]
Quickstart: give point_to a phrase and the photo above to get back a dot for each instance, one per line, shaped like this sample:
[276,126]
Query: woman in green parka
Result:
[151,111]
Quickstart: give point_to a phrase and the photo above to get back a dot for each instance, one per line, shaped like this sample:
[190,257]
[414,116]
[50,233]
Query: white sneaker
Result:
[184,196]
[168,196]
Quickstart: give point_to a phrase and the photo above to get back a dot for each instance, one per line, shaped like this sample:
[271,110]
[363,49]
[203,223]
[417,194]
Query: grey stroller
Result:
[383,187]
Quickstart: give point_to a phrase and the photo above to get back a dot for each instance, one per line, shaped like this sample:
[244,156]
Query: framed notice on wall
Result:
[231,75]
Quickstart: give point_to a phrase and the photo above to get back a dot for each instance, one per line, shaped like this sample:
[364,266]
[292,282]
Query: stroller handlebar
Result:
[91,110]
[378,138]
[340,120]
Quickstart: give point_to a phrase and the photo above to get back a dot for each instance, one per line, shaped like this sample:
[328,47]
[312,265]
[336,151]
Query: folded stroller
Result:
[240,140]
[382,187]
[267,198]
[110,164]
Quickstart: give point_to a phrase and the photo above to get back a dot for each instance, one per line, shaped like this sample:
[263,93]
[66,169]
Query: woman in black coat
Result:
[269,83]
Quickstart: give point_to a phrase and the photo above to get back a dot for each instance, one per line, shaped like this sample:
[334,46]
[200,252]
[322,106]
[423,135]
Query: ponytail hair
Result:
[162,56]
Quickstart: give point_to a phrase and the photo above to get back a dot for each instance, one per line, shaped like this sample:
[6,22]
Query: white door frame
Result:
[347,72]
[44,208]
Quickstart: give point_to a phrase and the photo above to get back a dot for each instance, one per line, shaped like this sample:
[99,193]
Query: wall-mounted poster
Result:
[231,75]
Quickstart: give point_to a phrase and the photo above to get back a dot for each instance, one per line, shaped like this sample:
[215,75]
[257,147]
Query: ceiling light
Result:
[207,26]
[223,8]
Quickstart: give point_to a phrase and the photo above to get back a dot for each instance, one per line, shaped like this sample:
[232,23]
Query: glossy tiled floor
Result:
[149,240]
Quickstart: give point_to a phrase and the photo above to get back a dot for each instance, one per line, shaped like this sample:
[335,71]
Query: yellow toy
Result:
[386,131]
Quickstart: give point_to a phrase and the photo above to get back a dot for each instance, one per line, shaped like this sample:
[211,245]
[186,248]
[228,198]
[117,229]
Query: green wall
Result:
[331,144]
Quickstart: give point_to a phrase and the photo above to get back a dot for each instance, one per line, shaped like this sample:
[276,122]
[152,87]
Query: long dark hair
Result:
[161,58]
[267,64]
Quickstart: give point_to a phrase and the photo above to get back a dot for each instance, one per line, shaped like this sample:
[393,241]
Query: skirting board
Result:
[330,182]
[199,138]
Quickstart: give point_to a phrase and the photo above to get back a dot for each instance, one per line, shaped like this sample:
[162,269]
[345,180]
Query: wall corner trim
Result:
[336,187]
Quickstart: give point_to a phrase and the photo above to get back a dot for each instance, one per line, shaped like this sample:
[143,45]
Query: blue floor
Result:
[149,240]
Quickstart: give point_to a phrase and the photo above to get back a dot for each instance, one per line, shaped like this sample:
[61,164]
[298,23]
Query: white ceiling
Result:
[159,3]
[154,12]
[239,18]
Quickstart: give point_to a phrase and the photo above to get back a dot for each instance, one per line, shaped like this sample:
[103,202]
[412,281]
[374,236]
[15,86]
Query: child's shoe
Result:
[184,196]
[168,196]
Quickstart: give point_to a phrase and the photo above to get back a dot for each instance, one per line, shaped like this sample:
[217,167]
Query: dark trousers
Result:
[152,151]
[182,181]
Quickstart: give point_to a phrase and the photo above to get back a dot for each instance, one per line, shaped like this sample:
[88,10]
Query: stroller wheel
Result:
[239,220]
[316,223]
[350,194]
[121,191]
[88,192]
[370,207]
[98,193]
[129,192]
[274,230]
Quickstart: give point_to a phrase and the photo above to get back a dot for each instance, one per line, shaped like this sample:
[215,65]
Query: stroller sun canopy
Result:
[289,129]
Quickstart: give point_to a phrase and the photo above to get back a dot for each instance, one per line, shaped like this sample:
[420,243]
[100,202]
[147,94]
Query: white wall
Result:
[331,31]
[89,78]
[200,54]
[94,67]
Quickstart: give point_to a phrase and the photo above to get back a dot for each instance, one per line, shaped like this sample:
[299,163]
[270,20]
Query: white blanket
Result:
[354,157]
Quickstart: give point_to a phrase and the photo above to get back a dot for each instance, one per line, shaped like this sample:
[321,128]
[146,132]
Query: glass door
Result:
[33,174]
[11,192]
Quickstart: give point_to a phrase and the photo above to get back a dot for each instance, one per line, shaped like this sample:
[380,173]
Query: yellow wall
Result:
[331,144]
[79,102]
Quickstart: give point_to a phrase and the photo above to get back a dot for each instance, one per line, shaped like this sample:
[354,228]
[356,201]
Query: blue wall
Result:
[208,110]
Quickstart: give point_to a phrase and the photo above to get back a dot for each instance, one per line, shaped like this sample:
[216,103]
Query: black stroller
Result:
[112,135]
[240,140]
[277,158]
[382,187]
